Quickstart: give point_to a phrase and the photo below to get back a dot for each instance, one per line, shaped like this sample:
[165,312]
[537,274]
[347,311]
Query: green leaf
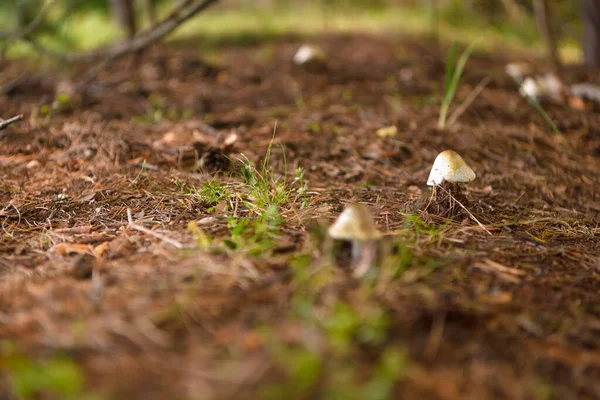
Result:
[453,74]
[450,65]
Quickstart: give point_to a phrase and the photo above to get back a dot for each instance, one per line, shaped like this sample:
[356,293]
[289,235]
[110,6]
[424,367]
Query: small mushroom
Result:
[543,88]
[530,88]
[356,224]
[518,70]
[311,57]
[587,91]
[451,167]
[448,171]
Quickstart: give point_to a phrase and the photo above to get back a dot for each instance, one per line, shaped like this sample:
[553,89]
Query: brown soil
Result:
[511,311]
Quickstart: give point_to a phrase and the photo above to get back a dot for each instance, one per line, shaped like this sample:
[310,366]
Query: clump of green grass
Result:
[454,72]
[254,206]
[331,363]
[57,376]
[255,236]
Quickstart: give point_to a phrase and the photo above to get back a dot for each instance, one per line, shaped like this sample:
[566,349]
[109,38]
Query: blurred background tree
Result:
[85,24]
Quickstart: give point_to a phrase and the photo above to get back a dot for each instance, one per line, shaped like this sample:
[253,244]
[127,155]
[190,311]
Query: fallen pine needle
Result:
[465,208]
[150,232]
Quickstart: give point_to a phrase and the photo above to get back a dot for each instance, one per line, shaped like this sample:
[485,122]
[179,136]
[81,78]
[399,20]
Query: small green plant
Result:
[453,73]
[301,192]
[181,185]
[264,187]
[159,109]
[254,235]
[261,196]
[143,173]
[330,369]
[58,376]
[418,227]
[212,192]
[200,237]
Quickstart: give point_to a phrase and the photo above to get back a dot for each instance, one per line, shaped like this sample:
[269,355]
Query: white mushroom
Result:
[543,87]
[356,224]
[587,91]
[451,167]
[518,70]
[309,54]
[554,86]
[532,89]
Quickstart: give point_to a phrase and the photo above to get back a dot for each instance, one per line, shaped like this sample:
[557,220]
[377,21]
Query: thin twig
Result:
[5,123]
[465,208]
[467,102]
[435,336]
[32,26]
[150,232]
[13,83]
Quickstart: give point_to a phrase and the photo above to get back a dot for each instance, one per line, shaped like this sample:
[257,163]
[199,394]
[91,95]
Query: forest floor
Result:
[223,284]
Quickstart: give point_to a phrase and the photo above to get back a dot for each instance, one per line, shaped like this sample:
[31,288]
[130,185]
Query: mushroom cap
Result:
[307,53]
[531,88]
[450,166]
[518,70]
[354,223]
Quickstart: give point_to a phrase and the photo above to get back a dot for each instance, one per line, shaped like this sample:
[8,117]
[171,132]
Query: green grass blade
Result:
[452,84]
[450,59]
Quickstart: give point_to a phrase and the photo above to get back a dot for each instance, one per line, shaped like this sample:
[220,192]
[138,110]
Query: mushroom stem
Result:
[356,252]
[363,256]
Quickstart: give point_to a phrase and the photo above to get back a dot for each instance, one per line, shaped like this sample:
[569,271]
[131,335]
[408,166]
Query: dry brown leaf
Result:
[65,249]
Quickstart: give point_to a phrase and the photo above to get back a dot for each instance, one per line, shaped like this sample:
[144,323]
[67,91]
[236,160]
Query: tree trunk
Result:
[590,10]
[124,13]
[542,17]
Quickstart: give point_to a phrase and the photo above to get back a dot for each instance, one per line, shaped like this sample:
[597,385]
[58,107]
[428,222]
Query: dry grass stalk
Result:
[150,232]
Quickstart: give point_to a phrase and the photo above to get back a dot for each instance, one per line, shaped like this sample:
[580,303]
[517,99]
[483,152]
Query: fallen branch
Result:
[13,84]
[184,11]
[150,232]
[32,26]
[5,123]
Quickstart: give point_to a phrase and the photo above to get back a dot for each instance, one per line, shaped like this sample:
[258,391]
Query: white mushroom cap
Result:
[554,87]
[543,87]
[450,166]
[307,53]
[518,70]
[531,88]
[354,223]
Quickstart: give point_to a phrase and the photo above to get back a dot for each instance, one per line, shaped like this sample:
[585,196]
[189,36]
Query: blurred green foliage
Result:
[31,378]
[86,24]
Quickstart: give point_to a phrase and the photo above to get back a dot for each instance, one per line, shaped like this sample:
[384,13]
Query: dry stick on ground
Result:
[4,123]
[470,98]
[13,36]
[183,11]
[32,26]
[150,232]
[13,83]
